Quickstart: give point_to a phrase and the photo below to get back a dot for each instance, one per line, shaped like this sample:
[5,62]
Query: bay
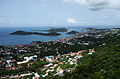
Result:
[6,39]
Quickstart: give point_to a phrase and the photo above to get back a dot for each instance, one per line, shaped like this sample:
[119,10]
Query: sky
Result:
[59,12]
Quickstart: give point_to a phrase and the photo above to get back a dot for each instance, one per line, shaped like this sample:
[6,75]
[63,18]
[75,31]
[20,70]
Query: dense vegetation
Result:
[103,64]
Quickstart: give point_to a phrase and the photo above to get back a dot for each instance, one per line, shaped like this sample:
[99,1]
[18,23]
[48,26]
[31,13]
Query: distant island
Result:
[54,30]
[72,32]
[20,32]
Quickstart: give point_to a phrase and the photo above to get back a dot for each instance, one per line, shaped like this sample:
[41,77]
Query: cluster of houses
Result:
[90,32]
[7,64]
[7,52]
[58,65]
[9,55]
[12,63]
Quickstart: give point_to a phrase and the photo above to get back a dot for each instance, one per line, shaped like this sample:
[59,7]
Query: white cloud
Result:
[97,4]
[71,20]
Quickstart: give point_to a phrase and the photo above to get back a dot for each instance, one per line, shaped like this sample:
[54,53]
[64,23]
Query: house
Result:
[72,54]
[8,64]
[27,59]
[34,78]
[52,67]
[21,50]
[68,70]
[50,70]
[37,75]
[30,58]
[43,69]
[45,75]
[71,62]
[16,76]
[13,68]
[22,75]
[22,62]
[91,51]
[48,65]
[49,58]
[60,63]
[78,56]
[59,70]
[86,43]
[55,65]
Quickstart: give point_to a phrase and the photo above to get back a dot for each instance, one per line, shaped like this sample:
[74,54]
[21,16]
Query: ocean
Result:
[6,39]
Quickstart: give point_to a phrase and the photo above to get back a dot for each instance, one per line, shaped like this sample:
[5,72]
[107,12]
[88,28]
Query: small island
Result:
[20,32]
[54,30]
[72,32]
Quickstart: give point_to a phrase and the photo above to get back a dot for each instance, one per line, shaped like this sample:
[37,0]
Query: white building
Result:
[27,59]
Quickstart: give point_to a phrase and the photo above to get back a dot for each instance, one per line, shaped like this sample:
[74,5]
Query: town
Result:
[54,58]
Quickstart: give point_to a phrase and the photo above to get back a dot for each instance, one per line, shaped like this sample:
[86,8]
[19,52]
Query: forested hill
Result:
[103,64]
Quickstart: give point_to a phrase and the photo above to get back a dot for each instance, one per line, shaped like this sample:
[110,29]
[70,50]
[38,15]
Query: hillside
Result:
[103,64]
[92,56]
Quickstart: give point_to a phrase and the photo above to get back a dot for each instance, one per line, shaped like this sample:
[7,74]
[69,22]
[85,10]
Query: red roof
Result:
[13,60]
[44,66]
[81,51]
[35,78]
[20,45]
[13,68]
[90,50]
[3,63]
[60,63]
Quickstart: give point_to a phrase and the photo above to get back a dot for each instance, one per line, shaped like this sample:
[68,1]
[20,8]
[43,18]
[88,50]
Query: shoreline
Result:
[59,39]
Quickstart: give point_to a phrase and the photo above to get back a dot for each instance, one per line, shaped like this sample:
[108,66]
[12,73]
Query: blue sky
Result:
[59,12]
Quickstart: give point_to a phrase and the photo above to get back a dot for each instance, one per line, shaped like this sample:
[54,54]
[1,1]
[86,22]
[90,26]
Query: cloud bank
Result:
[97,4]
